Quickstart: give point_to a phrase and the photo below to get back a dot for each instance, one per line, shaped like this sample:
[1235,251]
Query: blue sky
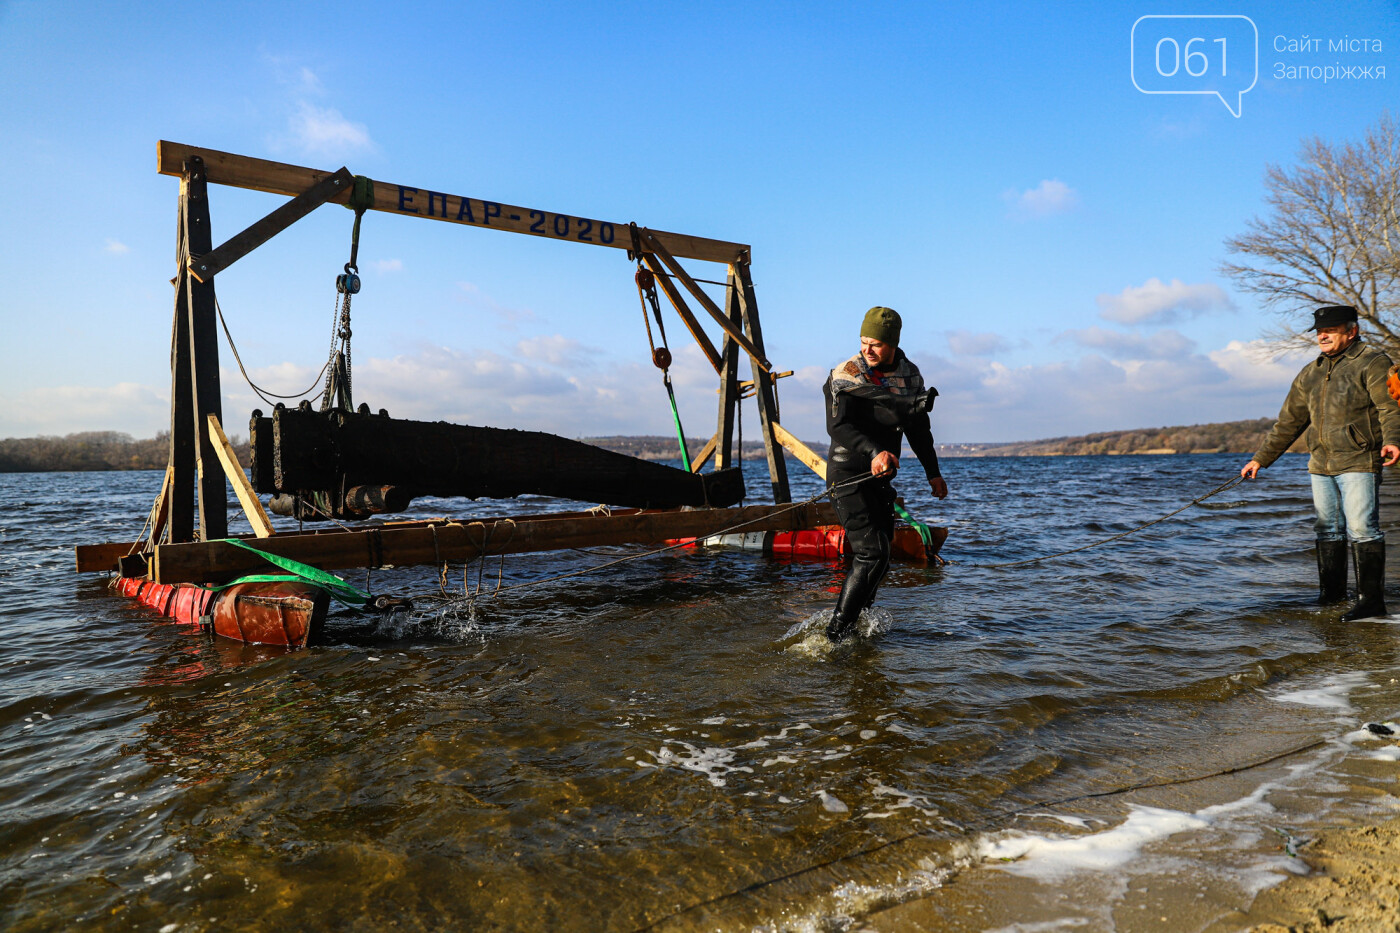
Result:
[1051,235]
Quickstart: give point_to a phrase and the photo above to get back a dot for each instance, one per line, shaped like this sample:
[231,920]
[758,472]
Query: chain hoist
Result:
[338,390]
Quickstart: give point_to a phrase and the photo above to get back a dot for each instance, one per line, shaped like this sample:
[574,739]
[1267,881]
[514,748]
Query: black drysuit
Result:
[862,422]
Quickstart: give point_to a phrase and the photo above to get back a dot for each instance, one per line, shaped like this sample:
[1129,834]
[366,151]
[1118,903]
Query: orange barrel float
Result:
[823,543]
[288,612]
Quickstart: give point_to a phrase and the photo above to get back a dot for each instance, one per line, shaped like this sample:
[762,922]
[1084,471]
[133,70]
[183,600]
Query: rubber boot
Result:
[856,593]
[1331,571]
[1370,581]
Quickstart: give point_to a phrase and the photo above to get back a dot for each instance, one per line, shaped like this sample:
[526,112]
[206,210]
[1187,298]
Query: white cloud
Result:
[1051,196]
[1163,345]
[387,265]
[474,297]
[115,247]
[1155,302]
[554,349]
[139,410]
[308,83]
[1259,364]
[967,343]
[324,131]
[553,383]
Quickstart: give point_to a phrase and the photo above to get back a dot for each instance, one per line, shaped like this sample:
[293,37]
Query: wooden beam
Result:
[650,242]
[206,397]
[210,561]
[730,398]
[677,302]
[182,434]
[800,450]
[766,392]
[235,248]
[226,168]
[262,525]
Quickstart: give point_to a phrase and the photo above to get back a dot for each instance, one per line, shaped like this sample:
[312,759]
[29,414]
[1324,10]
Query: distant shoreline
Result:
[106,451]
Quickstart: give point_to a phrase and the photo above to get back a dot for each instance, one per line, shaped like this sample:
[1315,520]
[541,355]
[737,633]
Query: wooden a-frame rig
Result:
[201,461]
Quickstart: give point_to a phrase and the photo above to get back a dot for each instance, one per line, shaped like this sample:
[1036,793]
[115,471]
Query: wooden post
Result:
[729,400]
[181,464]
[764,389]
[204,357]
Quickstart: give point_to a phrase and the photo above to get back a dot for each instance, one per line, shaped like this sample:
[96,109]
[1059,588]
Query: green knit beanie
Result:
[882,324]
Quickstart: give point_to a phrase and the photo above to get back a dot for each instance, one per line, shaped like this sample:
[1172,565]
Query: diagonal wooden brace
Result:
[683,310]
[226,254]
[653,245]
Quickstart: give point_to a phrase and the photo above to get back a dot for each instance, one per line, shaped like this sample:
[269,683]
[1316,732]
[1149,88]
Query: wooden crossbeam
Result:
[235,248]
[402,546]
[226,168]
[262,525]
[653,244]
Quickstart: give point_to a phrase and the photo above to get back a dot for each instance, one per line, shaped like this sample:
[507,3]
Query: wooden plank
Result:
[102,558]
[236,247]
[766,392]
[677,302]
[800,450]
[730,398]
[206,396]
[182,434]
[704,455]
[162,507]
[262,525]
[201,561]
[650,242]
[226,168]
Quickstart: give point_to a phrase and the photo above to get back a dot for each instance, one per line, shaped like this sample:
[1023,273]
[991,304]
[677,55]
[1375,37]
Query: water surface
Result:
[648,747]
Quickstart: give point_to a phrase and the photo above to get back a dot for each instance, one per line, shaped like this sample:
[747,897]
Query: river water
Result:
[663,745]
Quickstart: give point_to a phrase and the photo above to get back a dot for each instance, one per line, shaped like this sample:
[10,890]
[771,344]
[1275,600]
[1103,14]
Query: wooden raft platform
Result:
[402,544]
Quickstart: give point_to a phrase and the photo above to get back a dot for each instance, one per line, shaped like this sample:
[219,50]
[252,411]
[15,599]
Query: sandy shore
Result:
[1355,884]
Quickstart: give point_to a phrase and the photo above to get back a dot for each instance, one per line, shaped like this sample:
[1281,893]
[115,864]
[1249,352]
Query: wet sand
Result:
[1354,883]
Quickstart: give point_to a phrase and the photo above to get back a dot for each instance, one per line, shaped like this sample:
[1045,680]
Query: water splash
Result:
[808,637]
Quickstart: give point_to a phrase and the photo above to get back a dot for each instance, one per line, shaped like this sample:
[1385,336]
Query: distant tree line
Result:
[1241,437]
[111,450]
[92,450]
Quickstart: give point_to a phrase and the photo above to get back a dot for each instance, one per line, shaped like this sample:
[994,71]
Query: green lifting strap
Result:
[917,525]
[340,590]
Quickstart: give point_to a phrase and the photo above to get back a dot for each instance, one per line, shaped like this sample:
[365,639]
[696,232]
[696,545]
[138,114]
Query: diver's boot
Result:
[1331,571]
[856,593]
[1370,581]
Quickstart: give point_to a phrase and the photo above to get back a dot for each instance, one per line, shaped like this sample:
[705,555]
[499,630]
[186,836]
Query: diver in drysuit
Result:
[873,400]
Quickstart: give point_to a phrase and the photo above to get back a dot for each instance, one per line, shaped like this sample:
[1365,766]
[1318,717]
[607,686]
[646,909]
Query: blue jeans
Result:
[1348,505]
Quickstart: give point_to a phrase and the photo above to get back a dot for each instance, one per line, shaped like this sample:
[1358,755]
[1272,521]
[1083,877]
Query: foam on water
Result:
[1332,693]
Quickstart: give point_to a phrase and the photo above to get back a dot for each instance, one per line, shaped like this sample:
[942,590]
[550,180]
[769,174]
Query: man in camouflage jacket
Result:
[1353,430]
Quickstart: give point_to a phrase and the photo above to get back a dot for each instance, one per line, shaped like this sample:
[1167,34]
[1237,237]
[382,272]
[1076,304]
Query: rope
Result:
[261,392]
[1122,534]
[984,824]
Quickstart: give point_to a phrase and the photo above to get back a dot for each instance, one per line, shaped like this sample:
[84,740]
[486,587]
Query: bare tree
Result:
[1332,235]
